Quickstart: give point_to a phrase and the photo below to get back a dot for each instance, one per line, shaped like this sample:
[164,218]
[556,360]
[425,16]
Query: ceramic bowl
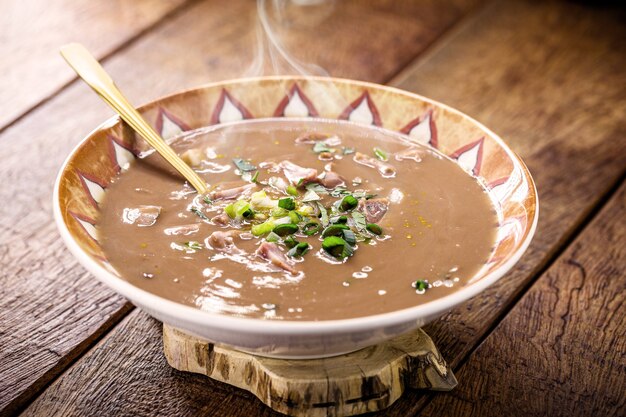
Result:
[112,147]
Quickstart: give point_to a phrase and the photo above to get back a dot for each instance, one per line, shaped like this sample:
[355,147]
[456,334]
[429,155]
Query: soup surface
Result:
[305,220]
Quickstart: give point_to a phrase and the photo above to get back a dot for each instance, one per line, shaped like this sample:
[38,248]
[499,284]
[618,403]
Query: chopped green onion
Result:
[243,165]
[255,177]
[348,203]
[272,237]
[421,285]
[263,228]
[290,241]
[334,230]
[337,247]
[374,228]
[380,154]
[207,200]
[349,236]
[278,212]
[299,250]
[193,245]
[311,228]
[199,213]
[339,219]
[285,229]
[287,203]
[320,147]
[295,217]
[239,209]
[291,190]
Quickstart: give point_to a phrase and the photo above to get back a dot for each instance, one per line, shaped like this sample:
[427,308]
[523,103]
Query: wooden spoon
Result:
[87,68]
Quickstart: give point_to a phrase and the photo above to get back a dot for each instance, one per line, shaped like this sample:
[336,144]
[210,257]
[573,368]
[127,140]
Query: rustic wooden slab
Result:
[561,350]
[50,309]
[32,32]
[368,380]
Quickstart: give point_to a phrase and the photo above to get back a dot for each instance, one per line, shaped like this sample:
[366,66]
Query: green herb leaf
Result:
[299,250]
[207,200]
[199,213]
[287,203]
[319,189]
[193,245]
[348,151]
[323,214]
[243,165]
[290,241]
[380,154]
[339,219]
[339,191]
[359,221]
[374,228]
[310,195]
[285,229]
[348,203]
[255,177]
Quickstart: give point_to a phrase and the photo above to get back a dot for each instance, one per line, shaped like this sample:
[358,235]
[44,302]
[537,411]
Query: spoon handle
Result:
[87,68]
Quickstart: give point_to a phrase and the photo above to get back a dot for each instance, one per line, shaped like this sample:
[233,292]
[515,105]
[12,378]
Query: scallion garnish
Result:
[255,177]
[421,285]
[380,154]
[334,230]
[199,213]
[285,229]
[272,237]
[291,190]
[290,241]
[295,217]
[374,228]
[311,228]
[263,228]
[348,203]
[323,214]
[349,236]
[193,245]
[299,250]
[287,203]
[337,247]
[243,165]
[207,200]
[339,219]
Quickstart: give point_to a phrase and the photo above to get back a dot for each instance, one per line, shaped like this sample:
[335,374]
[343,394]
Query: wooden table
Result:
[549,77]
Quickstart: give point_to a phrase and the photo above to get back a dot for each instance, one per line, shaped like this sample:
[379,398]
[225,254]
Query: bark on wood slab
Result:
[364,381]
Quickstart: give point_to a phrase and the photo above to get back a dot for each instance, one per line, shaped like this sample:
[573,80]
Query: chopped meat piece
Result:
[272,253]
[310,138]
[412,152]
[325,156]
[141,216]
[383,168]
[183,230]
[221,220]
[374,209]
[297,174]
[231,193]
[331,180]
[221,240]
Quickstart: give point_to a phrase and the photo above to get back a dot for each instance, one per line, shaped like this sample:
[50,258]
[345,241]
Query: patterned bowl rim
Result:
[201,318]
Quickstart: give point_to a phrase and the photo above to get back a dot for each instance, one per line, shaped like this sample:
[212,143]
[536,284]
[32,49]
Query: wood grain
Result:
[50,309]
[32,32]
[561,351]
[368,380]
[543,75]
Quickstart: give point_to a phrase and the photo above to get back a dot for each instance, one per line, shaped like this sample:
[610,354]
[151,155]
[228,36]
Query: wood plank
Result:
[561,351]
[65,308]
[32,32]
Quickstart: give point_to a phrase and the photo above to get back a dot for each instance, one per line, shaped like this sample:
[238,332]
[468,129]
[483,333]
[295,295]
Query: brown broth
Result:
[442,230]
